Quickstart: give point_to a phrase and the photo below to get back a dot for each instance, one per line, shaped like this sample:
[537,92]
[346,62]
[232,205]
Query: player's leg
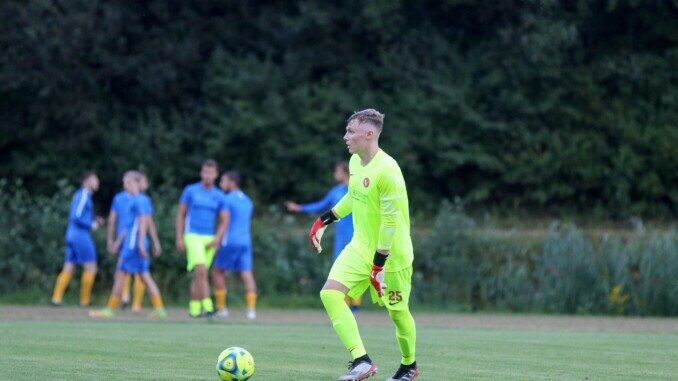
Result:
[196,257]
[396,300]
[355,303]
[219,284]
[344,277]
[138,294]
[219,272]
[63,279]
[154,293]
[87,282]
[126,286]
[206,297]
[244,265]
[114,299]
[202,289]
[250,293]
[87,256]
[340,242]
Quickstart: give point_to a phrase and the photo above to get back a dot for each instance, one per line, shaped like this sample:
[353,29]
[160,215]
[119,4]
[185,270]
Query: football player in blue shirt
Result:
[196,233]
[134,253]
[344,227]
[118,219]
[235,254]
[80,248]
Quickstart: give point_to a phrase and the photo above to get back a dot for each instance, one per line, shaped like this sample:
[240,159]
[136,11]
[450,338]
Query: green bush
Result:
[563,272]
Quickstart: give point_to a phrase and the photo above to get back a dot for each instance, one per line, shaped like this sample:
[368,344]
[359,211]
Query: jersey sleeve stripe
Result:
[81,203]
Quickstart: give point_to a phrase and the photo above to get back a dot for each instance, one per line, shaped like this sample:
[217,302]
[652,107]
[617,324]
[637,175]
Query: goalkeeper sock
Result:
[86,283]
[194,308]
[343,321]
[251,299]
[126,284]
[207,305]
[60,286]
[139,289]
[220,299]
[406,332]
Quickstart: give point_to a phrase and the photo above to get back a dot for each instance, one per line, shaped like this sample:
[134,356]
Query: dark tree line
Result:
[533,104]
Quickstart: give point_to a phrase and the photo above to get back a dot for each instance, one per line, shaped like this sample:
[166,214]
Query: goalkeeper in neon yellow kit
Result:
[380,252]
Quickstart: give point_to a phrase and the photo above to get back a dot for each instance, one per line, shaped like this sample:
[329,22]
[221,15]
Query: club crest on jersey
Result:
[366,182]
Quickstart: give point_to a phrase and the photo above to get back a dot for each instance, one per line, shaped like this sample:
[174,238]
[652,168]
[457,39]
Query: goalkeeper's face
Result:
[358,137]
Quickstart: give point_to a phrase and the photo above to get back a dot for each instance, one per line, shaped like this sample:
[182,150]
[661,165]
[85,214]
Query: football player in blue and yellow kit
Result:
[134,253]
[235,254]
[118,219]
[80,248]
[196,233]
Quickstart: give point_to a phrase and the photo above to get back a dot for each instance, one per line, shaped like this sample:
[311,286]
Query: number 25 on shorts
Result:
[395,296]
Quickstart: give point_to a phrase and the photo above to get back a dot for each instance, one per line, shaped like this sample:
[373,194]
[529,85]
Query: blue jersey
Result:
[147,203]
[122,204]
[81,215]
[240,206]
[344,232]
[138,207]
[203,206]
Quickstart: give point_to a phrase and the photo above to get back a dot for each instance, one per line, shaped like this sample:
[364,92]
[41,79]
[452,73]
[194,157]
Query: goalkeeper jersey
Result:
[377,198]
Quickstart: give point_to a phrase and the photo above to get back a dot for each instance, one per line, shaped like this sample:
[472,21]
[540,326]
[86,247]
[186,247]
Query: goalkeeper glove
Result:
[318,229]
[377,273]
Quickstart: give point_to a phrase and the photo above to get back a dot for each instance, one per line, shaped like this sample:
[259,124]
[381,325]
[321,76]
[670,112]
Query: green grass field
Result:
[127,349]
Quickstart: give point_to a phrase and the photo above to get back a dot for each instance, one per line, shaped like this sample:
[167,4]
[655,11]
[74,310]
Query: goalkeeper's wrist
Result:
[328,217]
[380,259]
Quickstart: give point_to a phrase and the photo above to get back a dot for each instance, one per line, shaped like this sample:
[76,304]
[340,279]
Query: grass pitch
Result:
[140,349]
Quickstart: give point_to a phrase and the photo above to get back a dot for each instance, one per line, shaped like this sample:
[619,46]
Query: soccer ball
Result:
[236,364]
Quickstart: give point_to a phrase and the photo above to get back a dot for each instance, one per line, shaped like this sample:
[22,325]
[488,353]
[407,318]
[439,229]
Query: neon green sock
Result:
[207,305]
[406,332]
[343,321]
[194,308]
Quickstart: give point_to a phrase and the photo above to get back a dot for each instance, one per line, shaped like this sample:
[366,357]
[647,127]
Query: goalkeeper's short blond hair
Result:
[370,116]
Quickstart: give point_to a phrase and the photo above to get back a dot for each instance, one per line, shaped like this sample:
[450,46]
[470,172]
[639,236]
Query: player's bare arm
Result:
[224,219]
[153,232]
[110,233]
[181,220]
[143,230]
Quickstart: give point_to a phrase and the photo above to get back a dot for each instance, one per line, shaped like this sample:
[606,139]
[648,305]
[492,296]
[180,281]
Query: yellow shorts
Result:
[197,252]
[353,271]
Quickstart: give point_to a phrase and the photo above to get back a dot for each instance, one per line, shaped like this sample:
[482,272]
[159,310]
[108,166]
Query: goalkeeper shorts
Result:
[353,271]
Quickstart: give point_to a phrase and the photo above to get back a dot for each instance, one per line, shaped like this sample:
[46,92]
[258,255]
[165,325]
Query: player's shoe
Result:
[137,309]
[55,304]
[251,314]
[222,313]
[83,305]
[355,309]
[124,303]
[103,313]
[405,373]
[158,313]
[359,370]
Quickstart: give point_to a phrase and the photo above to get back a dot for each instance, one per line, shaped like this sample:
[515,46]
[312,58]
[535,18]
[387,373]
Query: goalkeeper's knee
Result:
[330,296]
